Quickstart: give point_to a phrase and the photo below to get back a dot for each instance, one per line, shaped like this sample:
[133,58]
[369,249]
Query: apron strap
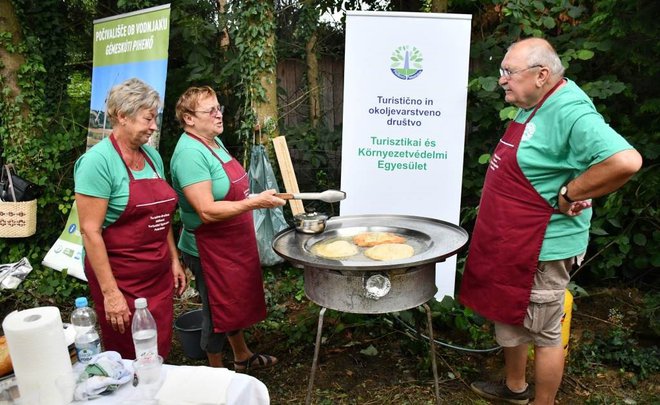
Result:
[195,137]
[128,169]
[540,103]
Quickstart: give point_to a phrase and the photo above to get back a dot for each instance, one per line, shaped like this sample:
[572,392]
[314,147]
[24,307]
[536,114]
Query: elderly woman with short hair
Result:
[125,209]
[218,239]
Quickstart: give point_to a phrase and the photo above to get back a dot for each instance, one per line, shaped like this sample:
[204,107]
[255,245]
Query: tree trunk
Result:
[313,81]
[224,36]
[11,61]
[267,118]
[313,71]
[439,6]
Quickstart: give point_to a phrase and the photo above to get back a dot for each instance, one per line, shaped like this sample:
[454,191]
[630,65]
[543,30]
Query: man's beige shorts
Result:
[542,324]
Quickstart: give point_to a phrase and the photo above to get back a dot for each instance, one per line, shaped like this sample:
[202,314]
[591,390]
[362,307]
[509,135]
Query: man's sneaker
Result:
[499,390]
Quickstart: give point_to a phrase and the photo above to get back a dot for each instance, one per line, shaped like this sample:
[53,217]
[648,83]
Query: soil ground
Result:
[374,361]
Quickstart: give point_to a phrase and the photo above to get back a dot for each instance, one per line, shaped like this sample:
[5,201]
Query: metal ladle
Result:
[329,196]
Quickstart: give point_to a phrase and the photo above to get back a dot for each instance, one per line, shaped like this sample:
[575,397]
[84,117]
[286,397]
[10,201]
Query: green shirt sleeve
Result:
[101,173]
[592,140]
[92,175]
[565,137]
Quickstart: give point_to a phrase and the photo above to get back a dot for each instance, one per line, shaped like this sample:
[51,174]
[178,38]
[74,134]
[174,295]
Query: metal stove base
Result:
[371,292]
[317,347]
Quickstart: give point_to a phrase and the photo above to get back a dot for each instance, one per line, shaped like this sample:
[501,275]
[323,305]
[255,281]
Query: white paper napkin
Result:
[199,385]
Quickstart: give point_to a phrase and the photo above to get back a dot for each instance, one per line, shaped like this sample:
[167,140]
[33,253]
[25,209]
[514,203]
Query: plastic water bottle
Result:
[145,335]
[87,341]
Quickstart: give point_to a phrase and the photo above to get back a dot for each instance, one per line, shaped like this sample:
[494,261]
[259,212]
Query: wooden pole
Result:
[288,174]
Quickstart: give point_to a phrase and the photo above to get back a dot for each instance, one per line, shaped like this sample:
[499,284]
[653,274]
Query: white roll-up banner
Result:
[405,96]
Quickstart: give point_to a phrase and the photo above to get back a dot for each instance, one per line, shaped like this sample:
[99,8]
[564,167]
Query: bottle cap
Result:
[140,303]
[81,302]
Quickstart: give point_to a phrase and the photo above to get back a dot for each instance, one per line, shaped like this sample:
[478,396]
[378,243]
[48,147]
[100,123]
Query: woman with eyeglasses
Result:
[218,239]
[125,208]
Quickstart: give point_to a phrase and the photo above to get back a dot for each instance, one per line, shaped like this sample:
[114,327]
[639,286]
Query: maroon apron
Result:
[507,238]
[140,260]
[230,260]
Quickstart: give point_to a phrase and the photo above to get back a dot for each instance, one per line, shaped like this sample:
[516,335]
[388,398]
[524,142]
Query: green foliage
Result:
[651,311]
[297,22]
[283,284]
[469,329]
[614,71]
[41,135]
[626,224]
[626,228]
[50,30]
[55,285]
[195,60]
[288,282]
[254,26]
[617,348]
[317,147]
[459,326]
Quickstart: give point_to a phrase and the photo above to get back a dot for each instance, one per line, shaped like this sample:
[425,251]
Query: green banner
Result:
[125,46]
[140,37]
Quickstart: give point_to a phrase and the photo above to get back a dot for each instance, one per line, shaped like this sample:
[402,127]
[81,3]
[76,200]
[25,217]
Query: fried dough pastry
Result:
[368,239]
[390,251]
[5,361]
[336,249]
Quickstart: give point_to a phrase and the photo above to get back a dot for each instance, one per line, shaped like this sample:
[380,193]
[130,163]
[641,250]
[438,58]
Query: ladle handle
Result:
[284,196]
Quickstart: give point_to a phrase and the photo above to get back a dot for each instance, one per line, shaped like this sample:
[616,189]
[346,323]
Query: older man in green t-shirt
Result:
[533,223]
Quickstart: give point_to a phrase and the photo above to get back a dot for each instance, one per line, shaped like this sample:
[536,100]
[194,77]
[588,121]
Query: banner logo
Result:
[406,62]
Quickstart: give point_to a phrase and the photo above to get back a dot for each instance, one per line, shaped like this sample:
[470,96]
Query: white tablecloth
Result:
[243,390]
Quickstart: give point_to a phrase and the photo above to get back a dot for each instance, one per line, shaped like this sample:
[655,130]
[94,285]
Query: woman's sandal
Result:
[256,361]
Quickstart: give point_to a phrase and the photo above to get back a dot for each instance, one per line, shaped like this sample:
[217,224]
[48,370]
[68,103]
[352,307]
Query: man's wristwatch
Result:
[563,191]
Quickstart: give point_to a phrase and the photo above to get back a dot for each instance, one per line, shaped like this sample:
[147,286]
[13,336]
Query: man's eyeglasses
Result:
[213,111]
[506,73]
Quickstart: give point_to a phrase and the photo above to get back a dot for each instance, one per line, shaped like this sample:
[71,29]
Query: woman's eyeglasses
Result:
[213,111]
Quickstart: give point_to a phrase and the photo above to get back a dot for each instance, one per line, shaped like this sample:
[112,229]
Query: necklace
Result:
[136,162]
[132,156]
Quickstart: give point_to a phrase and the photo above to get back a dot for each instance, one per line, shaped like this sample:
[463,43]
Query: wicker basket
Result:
[18,219]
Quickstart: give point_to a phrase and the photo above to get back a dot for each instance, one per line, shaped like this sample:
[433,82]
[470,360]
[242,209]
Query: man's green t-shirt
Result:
[192,163]
[100,172]
[565,137]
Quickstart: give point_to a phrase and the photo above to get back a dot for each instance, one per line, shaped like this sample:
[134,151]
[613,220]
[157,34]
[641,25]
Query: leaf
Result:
[585,54]
[576,290]
[369,351]
[655,260]
[548,22]
[483,159]
[575,12]
[488,83]
[599,231]
[508,113]
[639,239]
[615,222]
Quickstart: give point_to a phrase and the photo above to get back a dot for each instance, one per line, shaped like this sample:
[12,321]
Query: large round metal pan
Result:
[433,240]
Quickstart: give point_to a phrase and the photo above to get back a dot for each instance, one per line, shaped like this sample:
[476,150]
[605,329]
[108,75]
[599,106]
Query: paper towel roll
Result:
[38,352]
